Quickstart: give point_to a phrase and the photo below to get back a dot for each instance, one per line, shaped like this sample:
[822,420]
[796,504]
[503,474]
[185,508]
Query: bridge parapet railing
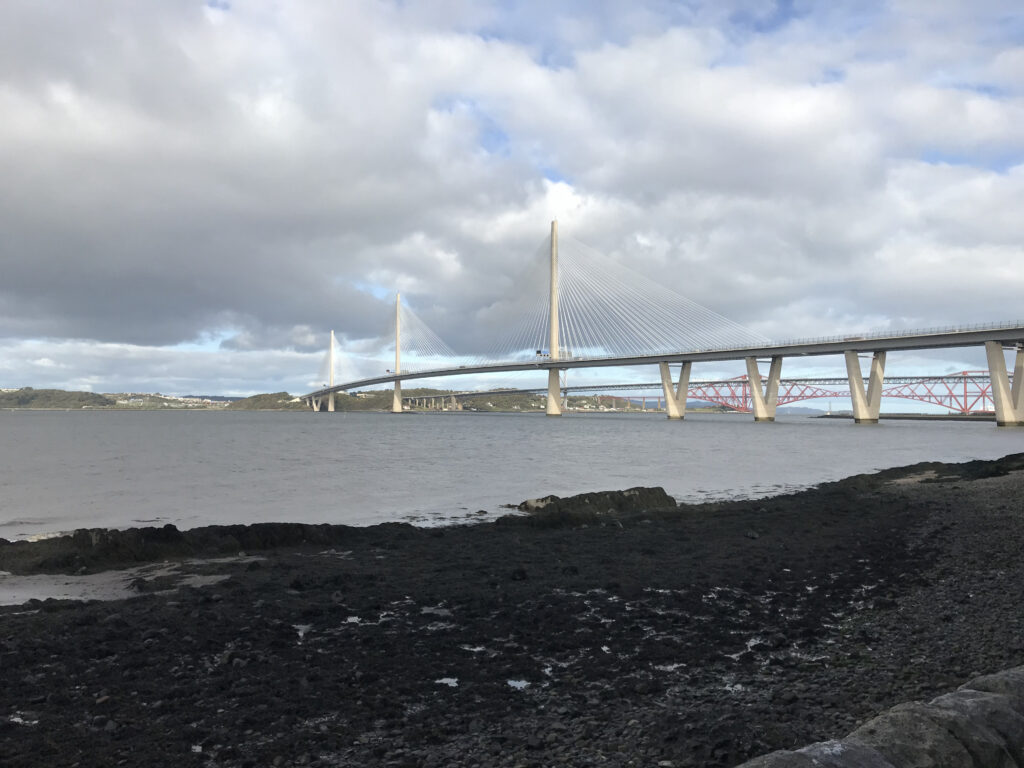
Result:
[768,345]
[895,334]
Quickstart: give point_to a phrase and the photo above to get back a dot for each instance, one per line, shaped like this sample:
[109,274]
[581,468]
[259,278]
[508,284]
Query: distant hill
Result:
[275,401]
[376,399]
[52,398]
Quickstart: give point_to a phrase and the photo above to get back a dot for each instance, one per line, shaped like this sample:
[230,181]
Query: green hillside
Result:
[275,401]
[52,398]
[376,399]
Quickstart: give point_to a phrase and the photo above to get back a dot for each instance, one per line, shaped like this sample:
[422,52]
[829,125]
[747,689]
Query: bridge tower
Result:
[330,374]
[396,400]
[554,404]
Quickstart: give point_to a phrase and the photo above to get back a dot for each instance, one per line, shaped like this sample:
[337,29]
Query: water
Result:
[65,470]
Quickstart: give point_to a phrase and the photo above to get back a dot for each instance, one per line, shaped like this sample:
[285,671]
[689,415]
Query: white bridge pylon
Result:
[554,404]
[598,313]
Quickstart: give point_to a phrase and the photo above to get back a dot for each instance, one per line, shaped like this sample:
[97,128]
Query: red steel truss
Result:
[963,392]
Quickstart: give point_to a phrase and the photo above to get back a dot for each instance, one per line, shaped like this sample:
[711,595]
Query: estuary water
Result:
[76,469]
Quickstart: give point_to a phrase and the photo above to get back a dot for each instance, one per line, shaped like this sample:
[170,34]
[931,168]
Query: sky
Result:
[193,194]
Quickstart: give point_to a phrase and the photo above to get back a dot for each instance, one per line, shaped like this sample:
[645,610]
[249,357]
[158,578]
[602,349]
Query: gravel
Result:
[698,635]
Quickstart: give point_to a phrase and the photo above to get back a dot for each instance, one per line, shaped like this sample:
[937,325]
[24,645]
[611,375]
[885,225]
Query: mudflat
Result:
[613,630]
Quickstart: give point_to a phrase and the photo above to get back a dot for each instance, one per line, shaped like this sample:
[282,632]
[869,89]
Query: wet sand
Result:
[698,635]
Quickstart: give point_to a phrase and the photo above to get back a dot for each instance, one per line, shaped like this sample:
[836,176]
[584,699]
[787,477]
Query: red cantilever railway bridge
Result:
[962,392]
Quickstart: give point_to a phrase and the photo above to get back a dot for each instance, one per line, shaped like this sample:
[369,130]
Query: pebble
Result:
[683,682]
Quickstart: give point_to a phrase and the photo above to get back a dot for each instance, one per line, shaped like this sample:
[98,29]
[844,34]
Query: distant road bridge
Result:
[963,393]
[628,318]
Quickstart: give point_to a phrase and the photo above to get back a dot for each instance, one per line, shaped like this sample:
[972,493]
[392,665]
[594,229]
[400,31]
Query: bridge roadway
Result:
[865,406]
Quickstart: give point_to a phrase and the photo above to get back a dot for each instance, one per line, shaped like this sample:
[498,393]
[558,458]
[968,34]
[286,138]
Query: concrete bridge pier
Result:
[1007,398]
[554,404]
[330,357]
[315,403]
[675,398]
[764,399]
[866,405]
[396,399]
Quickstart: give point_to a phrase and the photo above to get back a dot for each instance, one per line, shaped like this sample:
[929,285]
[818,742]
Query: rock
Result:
[587,508]
[628,632]
[965,729]
[908,737]
[1009,682]
[781,759]
[836,754]
[990,712]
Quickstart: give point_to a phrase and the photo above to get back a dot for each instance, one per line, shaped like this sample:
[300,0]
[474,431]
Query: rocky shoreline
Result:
[615,630]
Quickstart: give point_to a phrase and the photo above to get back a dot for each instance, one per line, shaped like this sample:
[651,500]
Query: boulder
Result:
[909,738]
[1009,682]
[781,759]
[595,507]
[981,725]
[840,754]
[978,718]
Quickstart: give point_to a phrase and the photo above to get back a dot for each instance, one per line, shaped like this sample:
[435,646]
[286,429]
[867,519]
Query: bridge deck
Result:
[940,339]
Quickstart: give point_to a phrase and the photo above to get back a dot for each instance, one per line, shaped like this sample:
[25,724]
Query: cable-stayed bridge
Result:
[596,313]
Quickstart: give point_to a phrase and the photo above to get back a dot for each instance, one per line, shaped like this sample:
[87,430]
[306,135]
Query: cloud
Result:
[214,181]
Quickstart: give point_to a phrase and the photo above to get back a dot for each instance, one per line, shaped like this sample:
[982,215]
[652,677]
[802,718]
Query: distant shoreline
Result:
[918,416]
[972,417]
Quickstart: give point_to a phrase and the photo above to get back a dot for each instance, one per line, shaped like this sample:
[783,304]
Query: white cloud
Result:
[171,171]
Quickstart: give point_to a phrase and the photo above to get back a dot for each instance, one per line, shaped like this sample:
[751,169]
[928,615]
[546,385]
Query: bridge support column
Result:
[766,398]
[1007,397]
[866,405]
[396,398]
[315,402]
[675,398]
[554,406]
[330,357]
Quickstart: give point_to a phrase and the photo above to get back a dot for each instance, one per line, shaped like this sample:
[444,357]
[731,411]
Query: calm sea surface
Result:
[66,470]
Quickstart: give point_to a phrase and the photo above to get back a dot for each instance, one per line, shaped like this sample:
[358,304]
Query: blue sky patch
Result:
[491,137]
[999,162]
[373,289]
